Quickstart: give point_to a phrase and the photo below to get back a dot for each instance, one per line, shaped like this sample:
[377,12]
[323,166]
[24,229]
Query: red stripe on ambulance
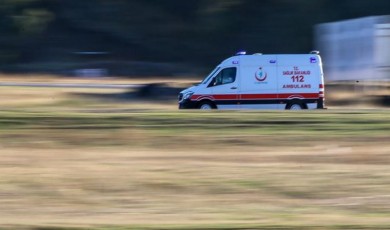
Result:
[255,96]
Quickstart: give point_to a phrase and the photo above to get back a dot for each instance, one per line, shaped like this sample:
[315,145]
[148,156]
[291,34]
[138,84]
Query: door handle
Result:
[233,87]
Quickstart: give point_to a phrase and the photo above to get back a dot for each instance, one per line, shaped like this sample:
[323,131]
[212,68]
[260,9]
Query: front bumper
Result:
[188,104]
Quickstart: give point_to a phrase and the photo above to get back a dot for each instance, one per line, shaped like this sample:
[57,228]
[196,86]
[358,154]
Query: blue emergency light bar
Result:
[241,53]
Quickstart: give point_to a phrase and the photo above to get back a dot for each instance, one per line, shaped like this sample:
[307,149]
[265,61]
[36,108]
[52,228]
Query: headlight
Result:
[187,95]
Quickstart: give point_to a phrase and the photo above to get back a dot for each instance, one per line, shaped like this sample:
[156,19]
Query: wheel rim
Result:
[295,107]
[205,107]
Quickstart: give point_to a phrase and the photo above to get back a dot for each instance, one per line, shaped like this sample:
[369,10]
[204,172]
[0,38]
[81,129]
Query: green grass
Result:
[210,227]
[243,128]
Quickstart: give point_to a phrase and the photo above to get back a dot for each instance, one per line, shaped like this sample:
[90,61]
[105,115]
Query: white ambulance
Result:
[287,81]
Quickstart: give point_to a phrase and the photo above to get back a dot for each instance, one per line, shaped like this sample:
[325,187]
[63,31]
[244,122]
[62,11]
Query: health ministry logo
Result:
[261,75]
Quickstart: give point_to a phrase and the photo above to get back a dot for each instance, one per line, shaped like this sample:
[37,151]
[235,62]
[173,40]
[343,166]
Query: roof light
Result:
[315,52]
[241,53]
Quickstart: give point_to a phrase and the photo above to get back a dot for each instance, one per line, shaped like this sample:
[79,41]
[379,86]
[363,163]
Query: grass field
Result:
[70,161]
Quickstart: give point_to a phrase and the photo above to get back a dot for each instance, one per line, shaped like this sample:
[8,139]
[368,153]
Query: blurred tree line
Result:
[51,35]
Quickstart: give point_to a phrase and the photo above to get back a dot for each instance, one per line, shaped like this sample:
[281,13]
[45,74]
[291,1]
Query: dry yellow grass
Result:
[71,160]
[321,185]
[115,186]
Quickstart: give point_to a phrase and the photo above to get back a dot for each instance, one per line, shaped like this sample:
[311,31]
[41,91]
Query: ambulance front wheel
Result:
[206,105]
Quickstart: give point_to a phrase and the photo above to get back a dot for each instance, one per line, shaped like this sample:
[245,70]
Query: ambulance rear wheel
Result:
[295,106]
[206,106]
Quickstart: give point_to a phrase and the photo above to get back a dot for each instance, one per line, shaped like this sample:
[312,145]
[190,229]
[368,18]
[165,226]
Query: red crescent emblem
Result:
[261,78]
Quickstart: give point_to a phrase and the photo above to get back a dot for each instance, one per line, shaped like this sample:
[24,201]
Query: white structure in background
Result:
[357,49]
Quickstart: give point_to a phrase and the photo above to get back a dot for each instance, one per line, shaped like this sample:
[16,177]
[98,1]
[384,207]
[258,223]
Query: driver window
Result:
[225,76]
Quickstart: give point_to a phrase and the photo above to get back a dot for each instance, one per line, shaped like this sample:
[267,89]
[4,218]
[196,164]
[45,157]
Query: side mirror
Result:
[212,83]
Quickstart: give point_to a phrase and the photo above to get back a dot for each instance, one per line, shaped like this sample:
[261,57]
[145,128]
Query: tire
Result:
[206,106]
[295,105]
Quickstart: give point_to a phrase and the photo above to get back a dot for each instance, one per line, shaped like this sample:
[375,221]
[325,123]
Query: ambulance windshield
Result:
[210,75]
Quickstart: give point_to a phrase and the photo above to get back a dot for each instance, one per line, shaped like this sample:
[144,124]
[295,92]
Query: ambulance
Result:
[283,81]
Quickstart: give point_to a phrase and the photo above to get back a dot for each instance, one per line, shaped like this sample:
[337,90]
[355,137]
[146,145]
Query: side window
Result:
[225,76]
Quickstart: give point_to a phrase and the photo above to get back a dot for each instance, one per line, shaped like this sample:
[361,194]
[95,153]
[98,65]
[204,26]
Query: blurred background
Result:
[162,37]
[91,137]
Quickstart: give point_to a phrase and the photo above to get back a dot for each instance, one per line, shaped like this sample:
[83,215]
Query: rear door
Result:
[299,77]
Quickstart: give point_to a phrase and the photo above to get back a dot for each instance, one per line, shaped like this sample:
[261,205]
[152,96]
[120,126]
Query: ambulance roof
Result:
[272,59]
